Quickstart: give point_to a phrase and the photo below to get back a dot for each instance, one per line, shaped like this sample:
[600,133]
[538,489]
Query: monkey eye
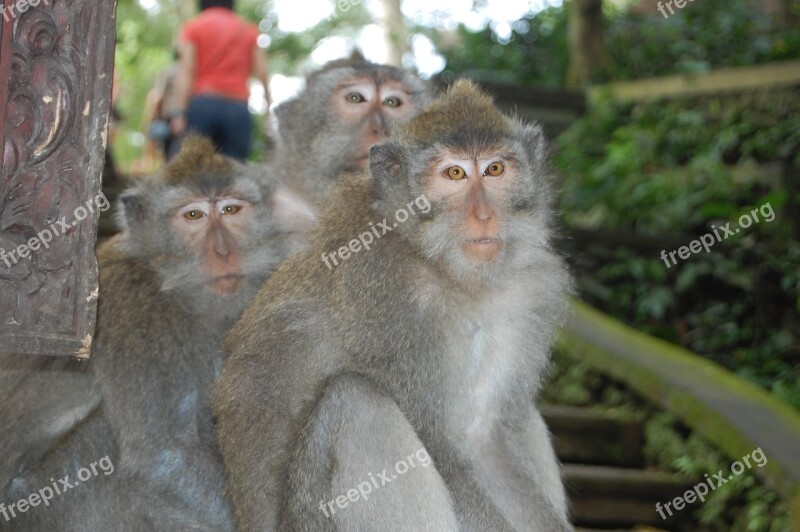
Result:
[194,214]
[495,169]
[455,173]
[228,210]
[354,97]
[393,102]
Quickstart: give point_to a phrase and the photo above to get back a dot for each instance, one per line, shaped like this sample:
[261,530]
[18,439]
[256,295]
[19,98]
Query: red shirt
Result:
[224,43]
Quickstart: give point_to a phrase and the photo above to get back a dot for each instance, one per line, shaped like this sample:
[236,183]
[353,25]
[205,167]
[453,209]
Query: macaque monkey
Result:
[423,339]
[197,241]
[347,106]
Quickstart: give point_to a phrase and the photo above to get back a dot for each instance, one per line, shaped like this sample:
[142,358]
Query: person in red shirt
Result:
[218,54]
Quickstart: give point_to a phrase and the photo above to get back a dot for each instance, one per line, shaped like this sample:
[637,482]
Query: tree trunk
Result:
[396,34]
[587,48]
[790,15]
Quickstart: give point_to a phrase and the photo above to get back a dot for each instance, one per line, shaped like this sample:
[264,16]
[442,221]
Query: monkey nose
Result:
[221,245]
[379,126]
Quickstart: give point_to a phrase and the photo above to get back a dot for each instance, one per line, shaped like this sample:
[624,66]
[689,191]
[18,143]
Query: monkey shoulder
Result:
[134,315]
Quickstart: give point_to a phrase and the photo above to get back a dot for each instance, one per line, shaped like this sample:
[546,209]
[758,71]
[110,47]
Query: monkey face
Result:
[208,226]
[347,107]
[213,227]
[486,178]
[474,189]
[492,210]
[370,109]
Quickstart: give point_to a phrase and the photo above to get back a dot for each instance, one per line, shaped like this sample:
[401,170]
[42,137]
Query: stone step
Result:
[588,436]
[604,496]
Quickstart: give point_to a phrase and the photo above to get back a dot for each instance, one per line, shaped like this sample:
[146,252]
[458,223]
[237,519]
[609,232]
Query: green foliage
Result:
[144,48]
[698,38]
[703,36]
[575,383]
[743,503]
[536,51]
[672,171]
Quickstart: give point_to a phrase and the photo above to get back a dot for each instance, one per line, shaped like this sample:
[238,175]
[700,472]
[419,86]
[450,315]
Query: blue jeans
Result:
[226,122]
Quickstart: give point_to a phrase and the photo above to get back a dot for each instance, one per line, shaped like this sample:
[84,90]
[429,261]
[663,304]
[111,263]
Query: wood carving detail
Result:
[58,67]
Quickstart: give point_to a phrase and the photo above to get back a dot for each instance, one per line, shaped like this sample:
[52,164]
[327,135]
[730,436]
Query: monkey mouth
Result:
[482,249]
[226,284]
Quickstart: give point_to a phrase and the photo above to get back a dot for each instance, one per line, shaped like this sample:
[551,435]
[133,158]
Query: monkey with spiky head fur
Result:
[347,106]
[395,391]
[197,241]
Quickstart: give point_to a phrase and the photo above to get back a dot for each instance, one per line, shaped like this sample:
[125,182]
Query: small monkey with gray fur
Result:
[347,106]
[197,241]
[434,341]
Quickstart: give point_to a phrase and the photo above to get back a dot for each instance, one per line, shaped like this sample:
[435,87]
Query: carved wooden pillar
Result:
[56,61]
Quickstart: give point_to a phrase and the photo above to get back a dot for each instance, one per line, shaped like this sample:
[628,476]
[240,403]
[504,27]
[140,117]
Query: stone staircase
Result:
[603,471]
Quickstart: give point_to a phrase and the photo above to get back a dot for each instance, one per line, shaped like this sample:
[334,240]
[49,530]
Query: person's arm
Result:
[261,73]
[187,66]
[150,112]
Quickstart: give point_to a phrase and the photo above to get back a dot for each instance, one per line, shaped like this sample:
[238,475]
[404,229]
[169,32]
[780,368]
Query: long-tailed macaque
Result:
[384,378]
[347,106]
[197,241]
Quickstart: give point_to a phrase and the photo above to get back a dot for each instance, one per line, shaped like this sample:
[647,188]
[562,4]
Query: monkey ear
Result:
[132,210]
[357,56]
[384,165]
[284,111]
[535,144]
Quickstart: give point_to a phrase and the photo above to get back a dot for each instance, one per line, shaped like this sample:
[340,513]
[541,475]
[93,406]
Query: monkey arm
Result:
[258,402]
[505,482]
[156,391]
[471,496]
[254,438]
[534,442]
[360,465]
[530,489]
[43,399]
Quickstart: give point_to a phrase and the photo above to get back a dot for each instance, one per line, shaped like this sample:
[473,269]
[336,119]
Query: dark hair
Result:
[205,4]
